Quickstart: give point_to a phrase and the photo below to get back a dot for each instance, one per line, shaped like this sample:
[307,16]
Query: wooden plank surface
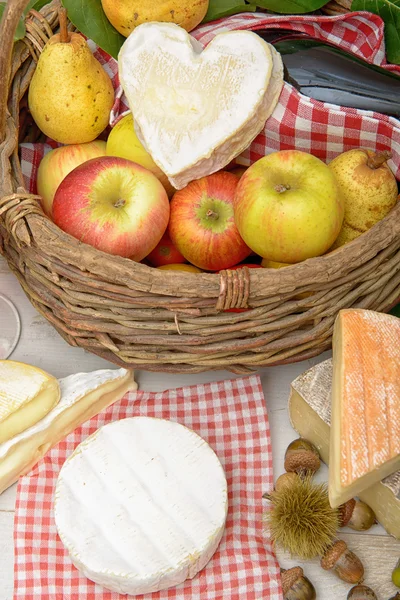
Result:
[40,345]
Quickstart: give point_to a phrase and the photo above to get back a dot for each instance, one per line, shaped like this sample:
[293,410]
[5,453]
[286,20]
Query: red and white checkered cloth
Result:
[231,416]
[322,129]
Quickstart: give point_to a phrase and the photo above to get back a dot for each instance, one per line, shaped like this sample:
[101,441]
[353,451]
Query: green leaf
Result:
[291,7]
[396,311]
[20,31]
[389,11]
[89,17]
[40,3]
[224,8]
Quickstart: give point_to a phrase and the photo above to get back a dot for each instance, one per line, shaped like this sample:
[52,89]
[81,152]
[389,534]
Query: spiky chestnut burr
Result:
[357,515]
[295,586]
[342,561]
[300,518]
[301,456]
[361,592]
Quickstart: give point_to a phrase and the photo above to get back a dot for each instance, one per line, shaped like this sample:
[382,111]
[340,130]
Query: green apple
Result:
[289,207]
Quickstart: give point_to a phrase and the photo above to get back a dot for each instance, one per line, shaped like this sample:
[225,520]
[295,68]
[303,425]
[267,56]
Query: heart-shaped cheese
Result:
[195,110]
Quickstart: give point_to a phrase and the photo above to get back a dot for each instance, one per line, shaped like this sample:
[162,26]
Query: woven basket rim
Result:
[96,300]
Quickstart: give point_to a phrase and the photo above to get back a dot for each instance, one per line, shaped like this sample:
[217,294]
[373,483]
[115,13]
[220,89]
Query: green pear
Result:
[70,95]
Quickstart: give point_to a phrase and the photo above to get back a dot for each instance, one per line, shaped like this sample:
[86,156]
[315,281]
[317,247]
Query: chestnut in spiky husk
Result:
[343,562]
[361,592]
[302,457]
[300,518]
[296,586]
[357,515]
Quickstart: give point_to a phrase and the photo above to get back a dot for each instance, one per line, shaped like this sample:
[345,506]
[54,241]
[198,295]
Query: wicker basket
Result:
[137,316]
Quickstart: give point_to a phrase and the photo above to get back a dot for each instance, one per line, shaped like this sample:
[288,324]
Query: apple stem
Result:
[120,202]
[212,215]
[282,188]
[62,17]
[378,159]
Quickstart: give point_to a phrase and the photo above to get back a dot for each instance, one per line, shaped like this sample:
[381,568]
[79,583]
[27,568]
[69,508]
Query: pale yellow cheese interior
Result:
[27,394]
[379,496]
[365,440]
[29,448]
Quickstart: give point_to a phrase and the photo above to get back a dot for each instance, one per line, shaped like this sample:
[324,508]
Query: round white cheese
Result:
[141,505]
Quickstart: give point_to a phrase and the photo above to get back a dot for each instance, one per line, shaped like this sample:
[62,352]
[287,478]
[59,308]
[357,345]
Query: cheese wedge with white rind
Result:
[196,109]
[27,394]
[365,436]
[141,505]
[83,395]
[310,415]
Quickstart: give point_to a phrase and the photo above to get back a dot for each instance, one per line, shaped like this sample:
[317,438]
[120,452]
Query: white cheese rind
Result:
[141,505]
[310,416]
[27,394]
[195,110]
[83,395]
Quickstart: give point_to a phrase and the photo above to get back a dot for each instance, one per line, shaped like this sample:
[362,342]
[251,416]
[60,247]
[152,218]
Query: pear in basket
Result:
[70,95]
[369,189]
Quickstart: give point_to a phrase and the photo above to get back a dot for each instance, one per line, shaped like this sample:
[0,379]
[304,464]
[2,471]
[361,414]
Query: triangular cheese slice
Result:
[27,394]
[83,395]
[365,430]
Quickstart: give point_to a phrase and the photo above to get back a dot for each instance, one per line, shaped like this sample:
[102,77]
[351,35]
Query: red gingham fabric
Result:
[322,129]
[231,416]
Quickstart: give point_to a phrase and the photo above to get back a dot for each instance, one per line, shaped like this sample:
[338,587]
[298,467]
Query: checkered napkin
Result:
[322,129]
[231,416]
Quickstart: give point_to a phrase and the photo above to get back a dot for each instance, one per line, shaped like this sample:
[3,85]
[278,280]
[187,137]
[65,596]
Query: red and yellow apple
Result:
[56,165]
[113,204]
[165,253]
[289,206]
[202,226]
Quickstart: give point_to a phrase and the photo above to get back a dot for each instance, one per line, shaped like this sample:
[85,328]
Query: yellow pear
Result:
[123,142]
[125,15]
[369,189]
[70,95]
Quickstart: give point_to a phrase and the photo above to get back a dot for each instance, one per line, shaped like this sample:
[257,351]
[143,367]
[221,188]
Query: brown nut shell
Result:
[301,456]
[285,480]
[361,592]
[345,512]
[343,562]
[362,517]
[297,587]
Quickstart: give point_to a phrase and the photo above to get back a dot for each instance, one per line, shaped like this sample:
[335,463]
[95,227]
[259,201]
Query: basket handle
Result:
[12,13]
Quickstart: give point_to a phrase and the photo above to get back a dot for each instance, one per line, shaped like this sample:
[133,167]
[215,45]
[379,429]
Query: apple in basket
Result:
[289,206]
[56,165]
[113,204]
[202,225]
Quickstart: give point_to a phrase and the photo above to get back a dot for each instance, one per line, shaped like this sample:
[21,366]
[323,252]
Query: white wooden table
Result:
[41,345]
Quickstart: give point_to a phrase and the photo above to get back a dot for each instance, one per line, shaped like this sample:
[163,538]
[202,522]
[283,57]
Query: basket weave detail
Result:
[137,316]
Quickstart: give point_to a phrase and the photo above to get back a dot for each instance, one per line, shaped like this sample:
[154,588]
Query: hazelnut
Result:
[361,592]
[301,456]
[295,586]
[285,480]
[343,562]
[357,515]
